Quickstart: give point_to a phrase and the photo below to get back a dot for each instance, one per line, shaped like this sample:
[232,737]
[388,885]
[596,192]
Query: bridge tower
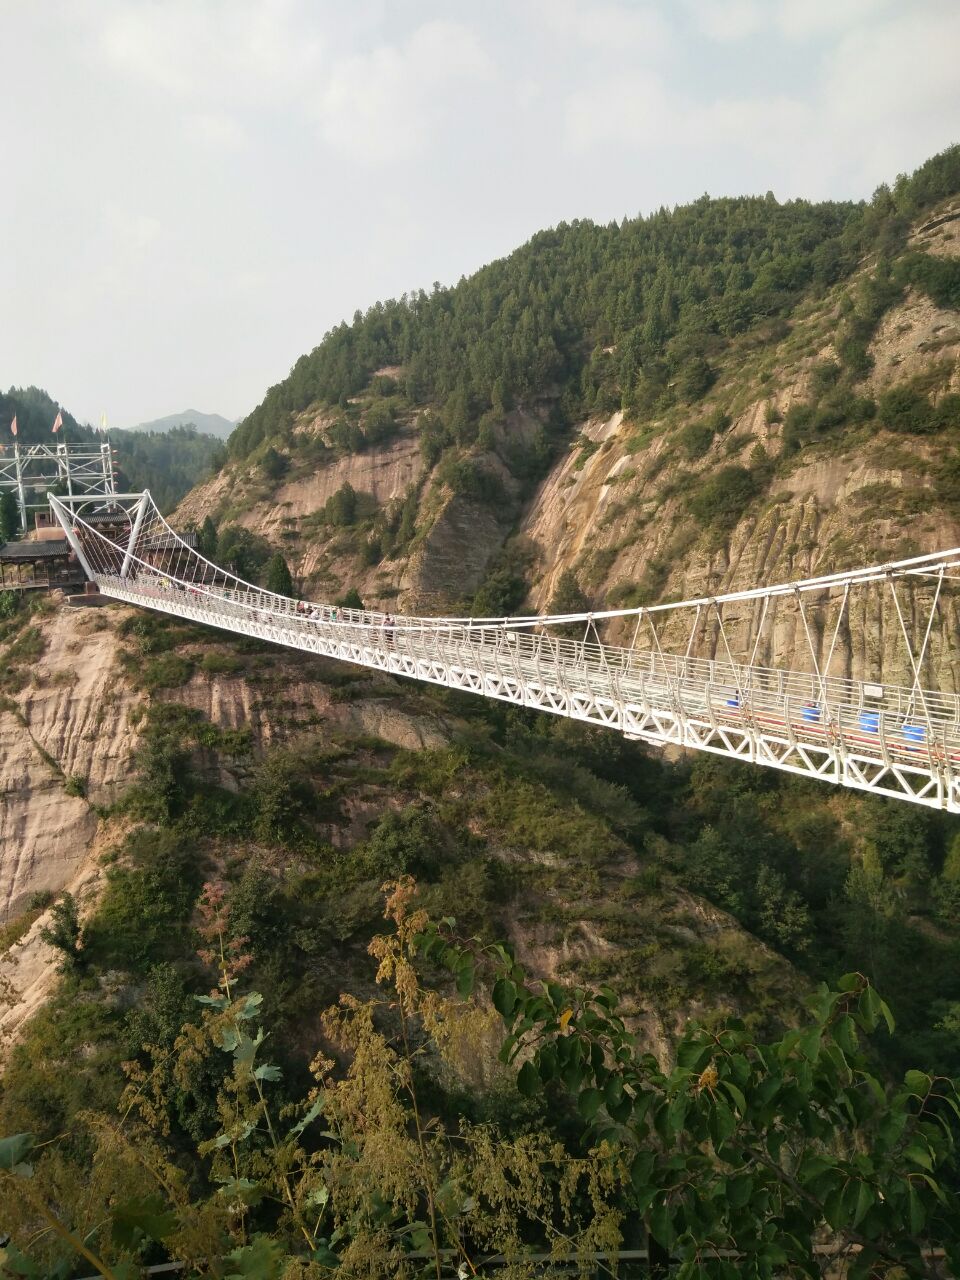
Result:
[74,470]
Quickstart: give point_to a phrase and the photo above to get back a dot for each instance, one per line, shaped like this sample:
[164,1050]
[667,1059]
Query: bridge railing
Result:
[831,713]
[902,739]
[536,640]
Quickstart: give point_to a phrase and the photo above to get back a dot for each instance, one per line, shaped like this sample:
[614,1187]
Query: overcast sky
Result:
[194,191]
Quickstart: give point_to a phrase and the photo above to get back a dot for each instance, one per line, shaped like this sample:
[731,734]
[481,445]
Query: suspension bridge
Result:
[898,739]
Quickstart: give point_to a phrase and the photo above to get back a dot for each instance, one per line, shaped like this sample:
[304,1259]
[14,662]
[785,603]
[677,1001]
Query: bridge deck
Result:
[891,740]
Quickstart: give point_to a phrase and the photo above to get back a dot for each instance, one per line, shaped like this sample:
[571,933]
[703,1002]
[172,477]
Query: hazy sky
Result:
[194,191]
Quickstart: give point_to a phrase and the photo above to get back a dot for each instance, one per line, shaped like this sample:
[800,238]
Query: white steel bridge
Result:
[900,739]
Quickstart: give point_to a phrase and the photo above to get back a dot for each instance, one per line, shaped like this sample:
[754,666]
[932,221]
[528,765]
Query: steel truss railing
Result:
[890,740]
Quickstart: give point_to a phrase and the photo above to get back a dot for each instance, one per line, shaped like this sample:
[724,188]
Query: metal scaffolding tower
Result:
[70,470]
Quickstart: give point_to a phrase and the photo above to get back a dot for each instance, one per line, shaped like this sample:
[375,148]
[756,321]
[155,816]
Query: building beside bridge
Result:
[45,560]
[34,565]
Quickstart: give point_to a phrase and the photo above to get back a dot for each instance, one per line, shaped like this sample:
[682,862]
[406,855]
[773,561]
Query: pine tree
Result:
[207,538]
[568,597]
[278,576]
[64,933]
[9,517]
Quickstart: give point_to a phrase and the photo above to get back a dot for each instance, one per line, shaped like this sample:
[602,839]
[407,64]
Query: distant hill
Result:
[208,424]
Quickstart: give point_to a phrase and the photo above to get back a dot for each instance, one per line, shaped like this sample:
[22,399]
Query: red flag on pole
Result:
[57,422]
[13,425]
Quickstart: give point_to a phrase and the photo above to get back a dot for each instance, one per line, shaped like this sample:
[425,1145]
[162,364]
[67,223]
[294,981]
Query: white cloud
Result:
[215,51]
[385,105]
[218,130]
[767,125]
[199,187]
[805,18]
[624,30]
[643,116]
[903,69]
[878,97]
[728,21]
[634,110]
[886,87]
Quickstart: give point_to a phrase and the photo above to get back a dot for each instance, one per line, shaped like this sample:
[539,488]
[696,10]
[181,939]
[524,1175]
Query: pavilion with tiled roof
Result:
[30,565]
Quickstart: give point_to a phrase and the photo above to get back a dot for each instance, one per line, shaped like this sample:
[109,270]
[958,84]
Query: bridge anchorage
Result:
[698,673]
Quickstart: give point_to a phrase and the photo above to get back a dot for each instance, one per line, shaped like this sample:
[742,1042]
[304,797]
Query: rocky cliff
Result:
[70,730]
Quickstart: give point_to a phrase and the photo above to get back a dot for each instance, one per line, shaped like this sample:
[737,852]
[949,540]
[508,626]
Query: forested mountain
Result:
[169,463]
[465,450]
[631,312]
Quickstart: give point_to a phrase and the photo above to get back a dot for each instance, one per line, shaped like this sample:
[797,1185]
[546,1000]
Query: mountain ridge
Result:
[212,424]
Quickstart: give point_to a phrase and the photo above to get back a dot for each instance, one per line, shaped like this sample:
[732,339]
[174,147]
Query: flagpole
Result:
[106,455]
[21,495]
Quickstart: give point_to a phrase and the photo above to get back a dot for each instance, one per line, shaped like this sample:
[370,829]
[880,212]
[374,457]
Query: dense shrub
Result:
[147,901]
[273,464]
[350,600]
[905,408]
[502,591]
[808,423]
[167,671]
[345,435]
[695,439]
[242,551]
[214,663]
[473,479]
[824,376]
[938,277]
[874,298]
[695,379]
[9,517]
[722,500]
[379,424]
[277,577]
[284,799]
[409,841]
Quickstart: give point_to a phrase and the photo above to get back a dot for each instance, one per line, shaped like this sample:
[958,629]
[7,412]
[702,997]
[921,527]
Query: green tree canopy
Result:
[9,517]
[278,576]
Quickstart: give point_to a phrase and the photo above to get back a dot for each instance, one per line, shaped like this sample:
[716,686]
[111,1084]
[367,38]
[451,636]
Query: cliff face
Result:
[68,744]
[235,495]
[75,726]
[456,535]
[71,720]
